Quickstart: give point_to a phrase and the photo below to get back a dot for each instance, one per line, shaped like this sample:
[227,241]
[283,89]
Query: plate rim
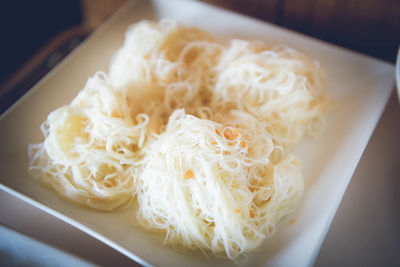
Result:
[98,31]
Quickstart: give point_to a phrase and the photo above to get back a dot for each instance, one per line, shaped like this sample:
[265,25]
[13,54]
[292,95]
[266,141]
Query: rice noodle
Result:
[195,129]
[233,196]
[91,148]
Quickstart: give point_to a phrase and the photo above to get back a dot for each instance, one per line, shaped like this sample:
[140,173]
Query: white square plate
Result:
[359,85]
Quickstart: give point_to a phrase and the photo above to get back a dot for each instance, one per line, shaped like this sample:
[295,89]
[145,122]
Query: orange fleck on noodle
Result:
[188,175]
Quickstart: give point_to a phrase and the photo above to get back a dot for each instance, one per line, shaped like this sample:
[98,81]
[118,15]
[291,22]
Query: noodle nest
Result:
[195,129]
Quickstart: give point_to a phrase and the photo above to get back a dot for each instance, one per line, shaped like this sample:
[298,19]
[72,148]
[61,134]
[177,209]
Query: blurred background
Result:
[368,26]
[38,34]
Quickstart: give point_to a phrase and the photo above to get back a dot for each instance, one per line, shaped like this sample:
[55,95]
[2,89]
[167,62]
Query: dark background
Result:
[369,26]
[26,26]
[36,35]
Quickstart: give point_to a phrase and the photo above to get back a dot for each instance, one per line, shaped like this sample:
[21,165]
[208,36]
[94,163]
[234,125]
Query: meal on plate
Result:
[196,130]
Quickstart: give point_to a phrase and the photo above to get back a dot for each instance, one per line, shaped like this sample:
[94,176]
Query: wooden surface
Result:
[368,26]
[372,236]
